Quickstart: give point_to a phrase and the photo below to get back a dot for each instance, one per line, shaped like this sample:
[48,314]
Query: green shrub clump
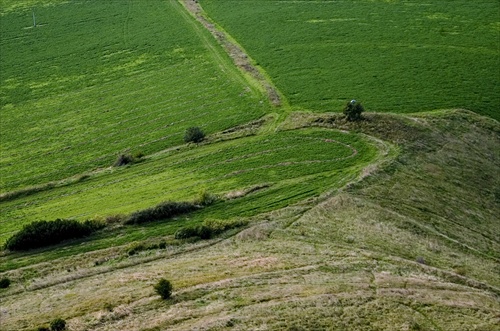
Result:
[58,325]
[353,110]
[43,233]
[206,198]
[164,288]
[164,210]
[194,134]
[124,159]
[208,229]
[4,282]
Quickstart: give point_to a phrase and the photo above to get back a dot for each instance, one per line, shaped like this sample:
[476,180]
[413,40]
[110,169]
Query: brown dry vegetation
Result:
[412,245]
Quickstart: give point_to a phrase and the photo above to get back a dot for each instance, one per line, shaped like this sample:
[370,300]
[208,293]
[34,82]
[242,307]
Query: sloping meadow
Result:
[289,166]
[94,79]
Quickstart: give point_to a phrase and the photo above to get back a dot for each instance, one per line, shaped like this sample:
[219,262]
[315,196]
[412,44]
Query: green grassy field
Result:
[394,56]
[388,223]
[325,159]
[72,102]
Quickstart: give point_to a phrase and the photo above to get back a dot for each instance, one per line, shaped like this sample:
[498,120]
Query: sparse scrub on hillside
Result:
[162,211]
[138,247]
[194,134]
[44,233]
[208,229]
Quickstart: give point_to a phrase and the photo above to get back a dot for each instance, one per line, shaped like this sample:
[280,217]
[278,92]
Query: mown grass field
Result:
[95,79]
[325,159]
[395,56]
[384,224]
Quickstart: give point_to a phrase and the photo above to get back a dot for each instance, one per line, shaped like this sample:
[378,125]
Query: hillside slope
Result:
[389,223]
[361,258]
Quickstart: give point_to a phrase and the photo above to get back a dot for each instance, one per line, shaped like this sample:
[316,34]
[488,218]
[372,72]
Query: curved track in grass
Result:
[293,164]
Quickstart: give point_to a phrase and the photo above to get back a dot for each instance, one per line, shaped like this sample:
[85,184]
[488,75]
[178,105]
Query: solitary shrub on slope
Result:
[124,159]
[164,288]
[194,134]
[353,110]
[58,325]
[4,282]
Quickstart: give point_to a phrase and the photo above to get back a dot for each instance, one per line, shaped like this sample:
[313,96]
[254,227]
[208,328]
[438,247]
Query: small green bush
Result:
[136,249]
[353,110]
[42,328]
[164,288]
[186,232]
[194,134]
[205,232]
[164,210]
[138,155]
[124,159]
[4,282]
[58,325]
[43,233]
[206,198]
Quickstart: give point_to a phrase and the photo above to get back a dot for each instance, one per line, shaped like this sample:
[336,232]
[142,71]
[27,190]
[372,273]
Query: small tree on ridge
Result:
[353,110]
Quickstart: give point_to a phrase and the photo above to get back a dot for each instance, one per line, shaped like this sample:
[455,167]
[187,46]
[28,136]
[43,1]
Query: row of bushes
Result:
[164,210]
[140,247]
[43,233]
[208,229]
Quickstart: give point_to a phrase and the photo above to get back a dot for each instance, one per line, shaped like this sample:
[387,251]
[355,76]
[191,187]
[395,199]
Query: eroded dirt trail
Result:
[236,52]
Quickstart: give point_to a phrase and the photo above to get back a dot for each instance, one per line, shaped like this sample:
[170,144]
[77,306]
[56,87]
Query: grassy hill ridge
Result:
[356,259]
[383,224]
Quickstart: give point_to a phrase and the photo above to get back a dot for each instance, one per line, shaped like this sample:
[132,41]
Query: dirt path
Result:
[236,52]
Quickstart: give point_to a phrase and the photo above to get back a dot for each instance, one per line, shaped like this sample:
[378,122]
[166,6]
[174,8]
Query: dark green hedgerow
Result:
[164,210]
[43,233]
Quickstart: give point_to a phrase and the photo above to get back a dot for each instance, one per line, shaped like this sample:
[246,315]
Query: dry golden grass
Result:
[358,259]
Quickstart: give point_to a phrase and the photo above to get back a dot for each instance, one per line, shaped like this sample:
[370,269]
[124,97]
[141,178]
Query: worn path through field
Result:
[255,76]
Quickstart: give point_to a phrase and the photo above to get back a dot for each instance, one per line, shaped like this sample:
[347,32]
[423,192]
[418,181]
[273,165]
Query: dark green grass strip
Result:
[397,56]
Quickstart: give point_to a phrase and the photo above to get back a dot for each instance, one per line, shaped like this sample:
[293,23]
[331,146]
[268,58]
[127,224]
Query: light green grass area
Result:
[94,79]
[396,56]
[294,164]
